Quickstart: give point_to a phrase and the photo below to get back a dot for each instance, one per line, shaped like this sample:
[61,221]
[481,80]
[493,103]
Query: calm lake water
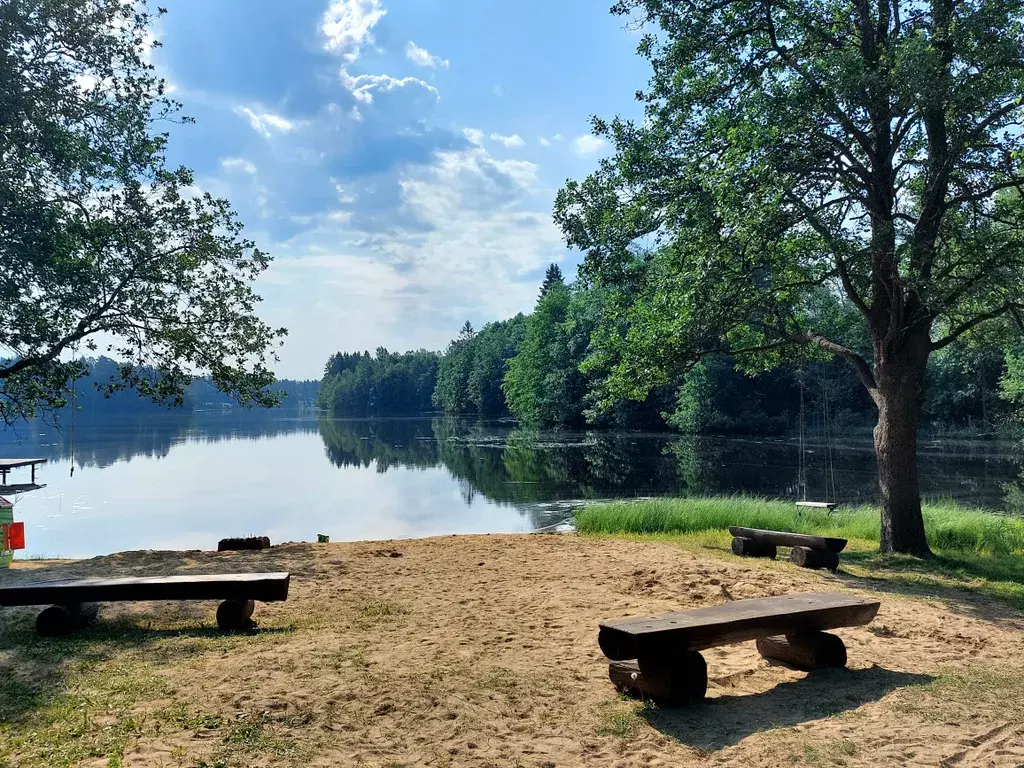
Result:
[183,481]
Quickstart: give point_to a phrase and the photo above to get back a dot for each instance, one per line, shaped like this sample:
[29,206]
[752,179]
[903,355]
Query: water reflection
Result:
[508,464]
[184,481]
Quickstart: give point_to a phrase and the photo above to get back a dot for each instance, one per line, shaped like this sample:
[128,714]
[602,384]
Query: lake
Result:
[184,481]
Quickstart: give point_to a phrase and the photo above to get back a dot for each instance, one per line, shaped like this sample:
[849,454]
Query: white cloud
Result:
[363,87]
[513,141]
[347,24]
[498,91]
[465,180]
[474,135]
[465,237]
[588,144]
[265,122]
[237,165]
[558,137]
[545,142]
[421,57]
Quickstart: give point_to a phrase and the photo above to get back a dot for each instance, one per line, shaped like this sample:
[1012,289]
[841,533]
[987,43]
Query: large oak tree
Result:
[101,243]
[799,158]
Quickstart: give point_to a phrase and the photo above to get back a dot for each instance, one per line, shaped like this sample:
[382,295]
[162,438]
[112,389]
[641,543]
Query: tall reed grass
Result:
[950,526]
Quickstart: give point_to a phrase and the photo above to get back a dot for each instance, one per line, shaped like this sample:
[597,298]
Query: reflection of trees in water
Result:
[506,464]
[385,442]
[973,472]
[522,467]
[99,444]
[518,466]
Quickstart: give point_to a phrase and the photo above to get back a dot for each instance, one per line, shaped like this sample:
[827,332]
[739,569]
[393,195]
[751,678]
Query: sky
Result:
[399,159]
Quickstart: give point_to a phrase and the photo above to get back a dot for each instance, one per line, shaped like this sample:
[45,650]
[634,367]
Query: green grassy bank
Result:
[950,527]
[977,551]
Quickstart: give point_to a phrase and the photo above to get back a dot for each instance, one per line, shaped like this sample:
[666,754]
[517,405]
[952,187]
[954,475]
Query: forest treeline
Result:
[92,395]
[541,369]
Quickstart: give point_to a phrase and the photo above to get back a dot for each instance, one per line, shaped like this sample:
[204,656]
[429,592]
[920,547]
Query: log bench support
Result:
[674,682]
[60,620]
[749,548]
[804,650]
[807,551]
[806,557]
[234,615]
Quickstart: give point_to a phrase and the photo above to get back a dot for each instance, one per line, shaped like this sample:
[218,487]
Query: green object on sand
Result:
[322,538]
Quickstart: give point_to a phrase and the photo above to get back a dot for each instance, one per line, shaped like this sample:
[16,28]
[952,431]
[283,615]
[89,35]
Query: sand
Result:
[481,651]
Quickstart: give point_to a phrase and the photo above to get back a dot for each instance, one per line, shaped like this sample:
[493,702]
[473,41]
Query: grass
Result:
[87,699]
[382,610]
[92,716]
[950,526]
[977,551]
[622,724]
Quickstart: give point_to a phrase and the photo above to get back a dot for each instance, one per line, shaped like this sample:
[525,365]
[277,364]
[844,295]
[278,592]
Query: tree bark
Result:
[899,397]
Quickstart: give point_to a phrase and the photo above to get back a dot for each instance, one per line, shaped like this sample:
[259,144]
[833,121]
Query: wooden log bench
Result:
[669,668]
[73,602]
[807,551]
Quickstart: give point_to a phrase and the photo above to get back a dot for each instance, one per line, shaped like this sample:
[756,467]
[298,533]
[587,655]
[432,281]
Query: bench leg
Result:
[804,650]
[58,620]
[806,557]
[235,614]
[671,682]
[750,548]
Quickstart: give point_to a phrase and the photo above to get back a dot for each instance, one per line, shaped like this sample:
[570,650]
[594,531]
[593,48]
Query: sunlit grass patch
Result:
[618,722]
[950,526]
[93,714]
[382,610]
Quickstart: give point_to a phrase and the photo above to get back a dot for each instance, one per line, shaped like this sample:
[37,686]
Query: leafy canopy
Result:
[101,243]
[801,160]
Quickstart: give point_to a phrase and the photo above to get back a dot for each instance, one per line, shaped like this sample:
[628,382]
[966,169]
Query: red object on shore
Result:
[13,536]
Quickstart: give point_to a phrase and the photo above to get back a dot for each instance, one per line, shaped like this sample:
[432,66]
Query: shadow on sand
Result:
[726,720]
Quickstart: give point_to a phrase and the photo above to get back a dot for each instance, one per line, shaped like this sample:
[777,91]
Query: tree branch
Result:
[975,321]
[867,376]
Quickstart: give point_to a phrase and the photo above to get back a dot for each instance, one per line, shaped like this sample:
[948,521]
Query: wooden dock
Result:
[6,465]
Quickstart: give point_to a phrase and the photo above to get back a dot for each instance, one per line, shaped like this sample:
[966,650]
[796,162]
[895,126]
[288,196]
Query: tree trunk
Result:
[899,398]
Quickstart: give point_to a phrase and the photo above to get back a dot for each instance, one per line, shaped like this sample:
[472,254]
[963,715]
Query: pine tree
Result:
[552,278]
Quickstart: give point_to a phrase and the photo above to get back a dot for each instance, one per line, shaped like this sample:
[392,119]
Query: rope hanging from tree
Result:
[74,408]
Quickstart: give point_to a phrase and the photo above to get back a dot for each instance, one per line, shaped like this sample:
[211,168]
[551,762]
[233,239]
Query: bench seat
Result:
[788,628]
[73,600]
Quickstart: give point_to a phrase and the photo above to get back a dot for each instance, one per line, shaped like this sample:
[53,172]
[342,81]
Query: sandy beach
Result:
[481,651]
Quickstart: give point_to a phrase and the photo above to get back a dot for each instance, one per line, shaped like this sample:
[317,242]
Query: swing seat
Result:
[829,505]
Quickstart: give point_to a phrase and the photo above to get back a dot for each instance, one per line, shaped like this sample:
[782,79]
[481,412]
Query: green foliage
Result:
[388,383]
[951,527]
[543,384]
[101,239]
[552,277]
[964,387]
[792,154]
[493,347]
[452,391]
[717,399]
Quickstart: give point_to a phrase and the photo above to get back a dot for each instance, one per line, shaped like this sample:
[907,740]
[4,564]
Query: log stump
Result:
[806,557]
[670,682]
[750,548]
[237,544]
[804,650]
[60,620]
[235,614]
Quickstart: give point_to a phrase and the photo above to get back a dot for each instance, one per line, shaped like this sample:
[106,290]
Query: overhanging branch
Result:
[867,376]
[975,321]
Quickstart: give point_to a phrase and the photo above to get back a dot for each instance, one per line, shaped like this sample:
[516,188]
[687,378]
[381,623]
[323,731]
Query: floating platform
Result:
[6,465]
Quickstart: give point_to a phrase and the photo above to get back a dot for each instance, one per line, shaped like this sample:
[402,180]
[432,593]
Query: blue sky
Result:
[398,158]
